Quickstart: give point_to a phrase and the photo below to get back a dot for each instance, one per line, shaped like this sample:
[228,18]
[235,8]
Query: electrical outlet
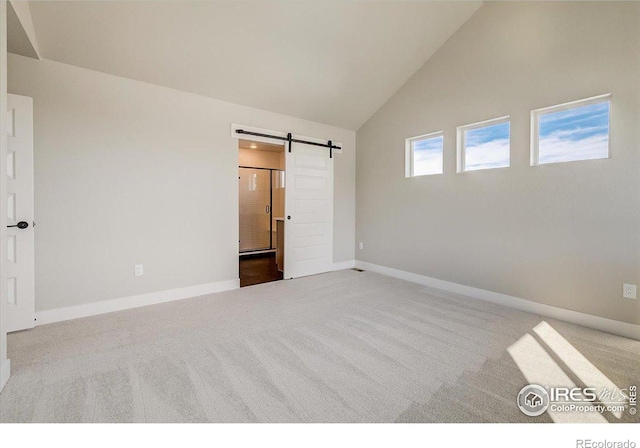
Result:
[628,291]
[361,245]
[139,270]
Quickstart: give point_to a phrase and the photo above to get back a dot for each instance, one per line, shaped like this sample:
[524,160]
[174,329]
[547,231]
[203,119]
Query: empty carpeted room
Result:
[300,212]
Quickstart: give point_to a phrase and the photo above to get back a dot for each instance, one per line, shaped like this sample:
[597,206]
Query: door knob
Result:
[21,225]
[289,217]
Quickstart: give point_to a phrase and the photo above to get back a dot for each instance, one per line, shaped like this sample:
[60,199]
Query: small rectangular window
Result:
[569,132]
[424,155]
[484,145]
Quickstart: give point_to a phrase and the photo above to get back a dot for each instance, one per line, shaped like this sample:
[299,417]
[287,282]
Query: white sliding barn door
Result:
[308,211]
[20,294]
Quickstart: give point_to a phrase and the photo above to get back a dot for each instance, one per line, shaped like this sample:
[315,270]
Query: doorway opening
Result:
[261,187]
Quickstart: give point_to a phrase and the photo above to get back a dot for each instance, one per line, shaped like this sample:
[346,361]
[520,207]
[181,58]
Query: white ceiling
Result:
[331,62]
[20,32]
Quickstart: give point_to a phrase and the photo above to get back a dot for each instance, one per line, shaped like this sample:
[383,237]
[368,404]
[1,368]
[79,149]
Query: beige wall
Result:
[130,173]
[566,235]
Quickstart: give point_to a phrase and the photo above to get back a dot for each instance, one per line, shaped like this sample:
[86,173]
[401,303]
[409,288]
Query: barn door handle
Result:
[21,225]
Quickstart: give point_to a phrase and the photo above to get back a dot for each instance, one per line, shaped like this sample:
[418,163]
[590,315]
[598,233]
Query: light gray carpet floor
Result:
[346,346]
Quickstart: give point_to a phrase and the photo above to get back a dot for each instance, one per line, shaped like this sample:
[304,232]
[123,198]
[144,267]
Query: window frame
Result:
[461,142]
[409,155]
[535,126]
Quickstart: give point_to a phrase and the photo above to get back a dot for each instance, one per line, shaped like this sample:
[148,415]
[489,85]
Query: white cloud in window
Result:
[492,154]
[557,148]
[427,156]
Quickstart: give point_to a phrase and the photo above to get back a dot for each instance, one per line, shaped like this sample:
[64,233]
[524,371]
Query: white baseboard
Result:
[586,320]
[5,371]
[125,303]
[340,265]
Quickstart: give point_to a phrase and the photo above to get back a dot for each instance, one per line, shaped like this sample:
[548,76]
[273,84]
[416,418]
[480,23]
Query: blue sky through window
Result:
[487,147]
[580,133]
[427,156]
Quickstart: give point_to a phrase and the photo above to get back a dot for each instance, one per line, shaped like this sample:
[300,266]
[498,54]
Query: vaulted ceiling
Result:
[330,62]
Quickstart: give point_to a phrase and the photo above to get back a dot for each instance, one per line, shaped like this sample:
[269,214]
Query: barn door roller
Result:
[291,140]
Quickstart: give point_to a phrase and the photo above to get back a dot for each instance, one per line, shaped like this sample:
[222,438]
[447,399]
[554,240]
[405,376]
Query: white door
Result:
[308,235]
[20,294]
